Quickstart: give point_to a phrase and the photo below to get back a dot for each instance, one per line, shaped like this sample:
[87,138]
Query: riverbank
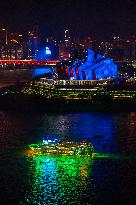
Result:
[21,103]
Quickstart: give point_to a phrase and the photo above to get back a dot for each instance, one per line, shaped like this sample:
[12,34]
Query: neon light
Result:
[90,68]
[63,148]
[56,180]
[47,51]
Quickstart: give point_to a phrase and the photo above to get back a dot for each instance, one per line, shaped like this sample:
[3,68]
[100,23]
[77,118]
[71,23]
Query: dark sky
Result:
[101,18]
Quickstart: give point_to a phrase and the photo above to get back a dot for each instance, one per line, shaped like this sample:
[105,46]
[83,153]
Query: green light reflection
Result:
[57,180]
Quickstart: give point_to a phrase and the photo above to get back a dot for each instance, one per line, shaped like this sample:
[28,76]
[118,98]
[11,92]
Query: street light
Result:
[6,40]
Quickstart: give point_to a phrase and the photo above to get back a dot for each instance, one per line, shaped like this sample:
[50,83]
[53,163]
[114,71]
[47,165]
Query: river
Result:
[42,180]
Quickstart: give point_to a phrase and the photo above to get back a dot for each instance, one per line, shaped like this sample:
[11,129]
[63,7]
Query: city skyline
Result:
[100,19]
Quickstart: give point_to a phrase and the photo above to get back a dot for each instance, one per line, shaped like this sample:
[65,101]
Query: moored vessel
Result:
[52,147]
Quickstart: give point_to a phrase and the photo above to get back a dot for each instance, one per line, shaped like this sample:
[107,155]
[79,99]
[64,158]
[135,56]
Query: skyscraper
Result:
[67,38]
[33,42]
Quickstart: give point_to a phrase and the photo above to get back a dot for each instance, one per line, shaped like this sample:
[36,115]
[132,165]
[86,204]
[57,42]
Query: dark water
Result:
[25,179]
[11,76]
[54,181]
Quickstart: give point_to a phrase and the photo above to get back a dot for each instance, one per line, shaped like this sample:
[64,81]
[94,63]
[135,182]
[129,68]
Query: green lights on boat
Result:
[62,148]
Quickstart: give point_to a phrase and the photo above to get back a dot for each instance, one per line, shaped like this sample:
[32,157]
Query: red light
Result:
[66,71]
[76,70]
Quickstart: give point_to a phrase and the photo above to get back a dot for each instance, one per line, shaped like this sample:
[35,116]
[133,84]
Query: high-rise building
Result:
[15,46]
[33,42]
[3,43]
[67,38]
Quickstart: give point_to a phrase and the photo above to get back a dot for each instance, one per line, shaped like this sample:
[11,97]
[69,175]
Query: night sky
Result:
[101,18]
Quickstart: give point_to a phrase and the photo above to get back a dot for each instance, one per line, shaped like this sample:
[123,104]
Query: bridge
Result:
[29,62]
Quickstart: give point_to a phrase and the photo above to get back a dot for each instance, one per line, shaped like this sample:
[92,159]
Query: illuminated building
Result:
[2,37]
[88,67]
[33,46]
[15,46]
[11,45]
[33,42]
[3,43]
[46,51]
[65,46]
[67,38]
[64,52]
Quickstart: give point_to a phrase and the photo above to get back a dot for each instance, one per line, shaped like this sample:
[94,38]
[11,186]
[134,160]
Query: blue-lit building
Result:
[91,68]
[33,45]
[46,51]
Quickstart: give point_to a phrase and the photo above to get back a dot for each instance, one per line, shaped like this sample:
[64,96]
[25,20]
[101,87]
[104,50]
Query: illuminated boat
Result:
[46,147]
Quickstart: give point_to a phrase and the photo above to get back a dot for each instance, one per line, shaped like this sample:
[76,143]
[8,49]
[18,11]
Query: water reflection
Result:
[16,75]
[58,180]
[41,70]
[96,128]
[48,180]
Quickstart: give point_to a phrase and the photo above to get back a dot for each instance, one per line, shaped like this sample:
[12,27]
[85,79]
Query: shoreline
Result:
[41,104]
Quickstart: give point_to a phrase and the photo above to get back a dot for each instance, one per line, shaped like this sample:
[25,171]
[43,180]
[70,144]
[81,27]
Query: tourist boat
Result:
[53,147]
